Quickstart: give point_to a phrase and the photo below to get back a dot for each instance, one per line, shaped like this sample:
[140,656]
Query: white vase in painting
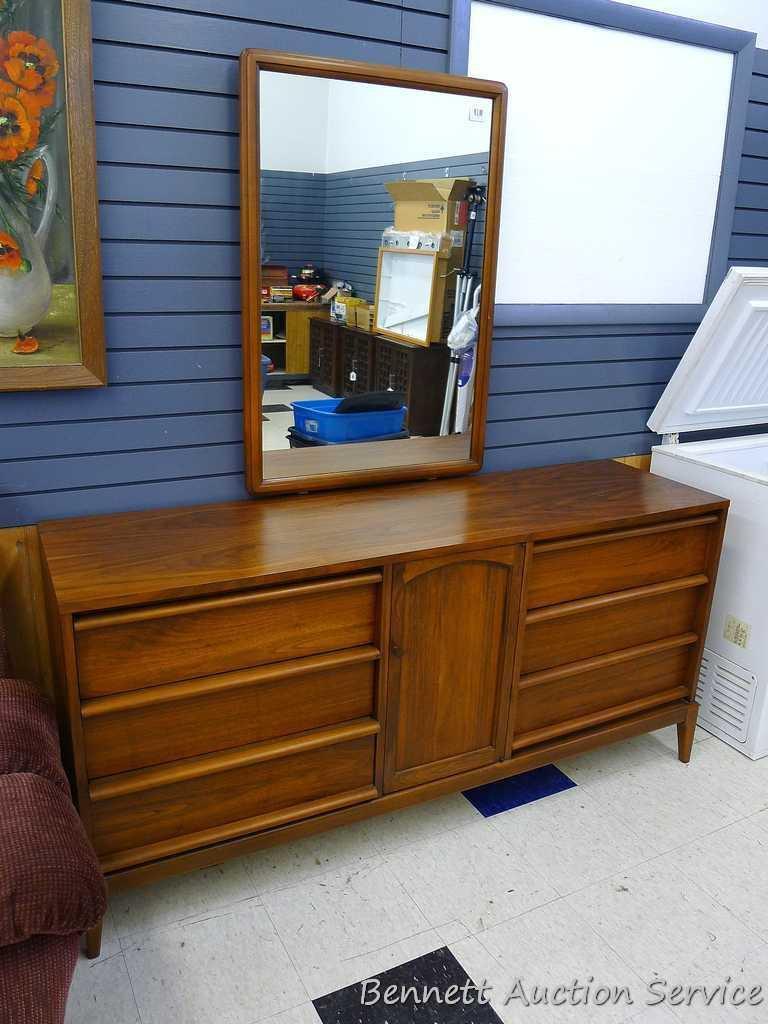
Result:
[25,297]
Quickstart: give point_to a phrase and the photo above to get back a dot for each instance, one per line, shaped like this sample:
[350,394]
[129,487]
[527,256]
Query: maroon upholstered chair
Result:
[51,888]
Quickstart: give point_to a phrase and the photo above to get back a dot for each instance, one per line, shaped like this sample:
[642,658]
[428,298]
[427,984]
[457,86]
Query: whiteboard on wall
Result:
[614,151]
[748,15]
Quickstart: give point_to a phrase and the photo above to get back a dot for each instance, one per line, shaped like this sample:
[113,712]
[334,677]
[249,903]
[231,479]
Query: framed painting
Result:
[51,317]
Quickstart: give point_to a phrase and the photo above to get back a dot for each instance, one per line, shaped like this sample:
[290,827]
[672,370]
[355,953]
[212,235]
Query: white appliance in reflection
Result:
[721,383]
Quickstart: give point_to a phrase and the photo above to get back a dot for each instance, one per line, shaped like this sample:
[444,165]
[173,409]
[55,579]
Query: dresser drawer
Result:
[577,696]
[229,794]
[166,643]
[571,569]
[179,720]
[583,629]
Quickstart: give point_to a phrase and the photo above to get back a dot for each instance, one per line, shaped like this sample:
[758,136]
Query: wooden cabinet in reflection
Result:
[324,365]
[291,329]
[358,360]
[421,374]
[349,361]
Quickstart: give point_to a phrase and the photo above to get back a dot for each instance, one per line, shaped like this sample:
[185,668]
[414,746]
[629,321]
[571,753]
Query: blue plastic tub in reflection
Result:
[319,419]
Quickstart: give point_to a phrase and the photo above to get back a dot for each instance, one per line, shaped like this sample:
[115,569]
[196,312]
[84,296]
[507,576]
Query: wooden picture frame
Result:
[339,466]
[73,85]
[434,315]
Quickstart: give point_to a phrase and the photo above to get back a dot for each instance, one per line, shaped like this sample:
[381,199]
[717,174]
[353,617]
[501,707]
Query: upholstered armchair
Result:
[51,888]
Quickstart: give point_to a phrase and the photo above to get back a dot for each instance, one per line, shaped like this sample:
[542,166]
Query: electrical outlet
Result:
[478,112]
[737,631]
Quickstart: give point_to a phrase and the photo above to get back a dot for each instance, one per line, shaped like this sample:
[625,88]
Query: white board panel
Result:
[613,159]
[748,15]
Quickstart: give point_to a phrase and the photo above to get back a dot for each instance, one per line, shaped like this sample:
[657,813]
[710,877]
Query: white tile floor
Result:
[648,869]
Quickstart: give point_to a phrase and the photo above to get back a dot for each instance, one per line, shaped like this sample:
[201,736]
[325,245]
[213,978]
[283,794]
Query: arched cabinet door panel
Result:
[454,622]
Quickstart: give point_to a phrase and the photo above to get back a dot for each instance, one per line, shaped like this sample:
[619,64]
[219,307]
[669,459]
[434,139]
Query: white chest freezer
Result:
[721,383]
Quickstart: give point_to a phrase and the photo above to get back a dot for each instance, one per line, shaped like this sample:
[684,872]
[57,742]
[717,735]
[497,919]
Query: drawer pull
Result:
[556,611]
[232,830]
[209,764]
[640,531]
[576,668]
[171,692]
[163,611]
[549,732]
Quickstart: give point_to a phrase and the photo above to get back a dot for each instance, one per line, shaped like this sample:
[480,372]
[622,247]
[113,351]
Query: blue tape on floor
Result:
[496,797]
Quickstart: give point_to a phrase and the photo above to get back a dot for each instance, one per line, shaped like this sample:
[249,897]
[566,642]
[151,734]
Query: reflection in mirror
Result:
[371,230]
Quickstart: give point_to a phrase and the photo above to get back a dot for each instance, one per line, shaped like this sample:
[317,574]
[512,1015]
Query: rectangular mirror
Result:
[369,215]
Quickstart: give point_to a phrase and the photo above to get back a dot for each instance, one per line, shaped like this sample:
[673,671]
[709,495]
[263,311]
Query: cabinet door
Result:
[323,360]
[453,629]
[356,362]
[297,323]
[393,368]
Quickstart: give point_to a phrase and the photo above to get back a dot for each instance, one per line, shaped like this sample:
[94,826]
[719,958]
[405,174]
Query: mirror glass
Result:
[372,215]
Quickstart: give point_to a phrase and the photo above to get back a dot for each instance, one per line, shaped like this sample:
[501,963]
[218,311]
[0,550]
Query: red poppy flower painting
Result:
[10,254]
[31,65]
[44,199]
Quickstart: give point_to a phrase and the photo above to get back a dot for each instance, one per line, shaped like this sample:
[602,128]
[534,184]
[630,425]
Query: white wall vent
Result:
[726,693]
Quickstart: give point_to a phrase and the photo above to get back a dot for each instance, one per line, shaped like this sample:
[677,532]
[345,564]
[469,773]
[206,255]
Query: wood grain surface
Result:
[136,558]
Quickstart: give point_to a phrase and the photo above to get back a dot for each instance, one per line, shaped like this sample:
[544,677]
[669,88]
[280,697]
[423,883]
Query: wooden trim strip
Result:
[640,531]
[576,668]
[161,611]
[231,830]
[550,732]
[585,604]
[204,685]
[143,779]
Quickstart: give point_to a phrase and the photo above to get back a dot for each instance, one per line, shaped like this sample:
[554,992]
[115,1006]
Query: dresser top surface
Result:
[141,557]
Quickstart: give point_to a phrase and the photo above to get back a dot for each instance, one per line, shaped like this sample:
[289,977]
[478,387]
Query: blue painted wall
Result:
[167,430]
[336,220]
[292,218]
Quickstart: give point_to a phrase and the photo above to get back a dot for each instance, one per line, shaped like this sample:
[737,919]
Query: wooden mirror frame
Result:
[350,465]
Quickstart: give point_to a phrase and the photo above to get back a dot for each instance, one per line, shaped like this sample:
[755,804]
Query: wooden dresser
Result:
[234,675]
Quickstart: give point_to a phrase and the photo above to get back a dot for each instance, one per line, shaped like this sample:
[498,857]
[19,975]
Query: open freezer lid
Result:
[722,380]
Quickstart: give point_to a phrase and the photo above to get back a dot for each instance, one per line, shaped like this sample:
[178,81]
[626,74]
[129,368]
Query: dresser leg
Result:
[93,941]
[685,731]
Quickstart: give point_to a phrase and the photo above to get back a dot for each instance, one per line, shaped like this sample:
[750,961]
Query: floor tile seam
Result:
[139,1017]
[291,960]
[130,938]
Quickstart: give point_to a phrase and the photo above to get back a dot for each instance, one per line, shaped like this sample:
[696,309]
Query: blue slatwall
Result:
[167,429]
[291,219]
[336,220]
[570,393]
[749,242]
